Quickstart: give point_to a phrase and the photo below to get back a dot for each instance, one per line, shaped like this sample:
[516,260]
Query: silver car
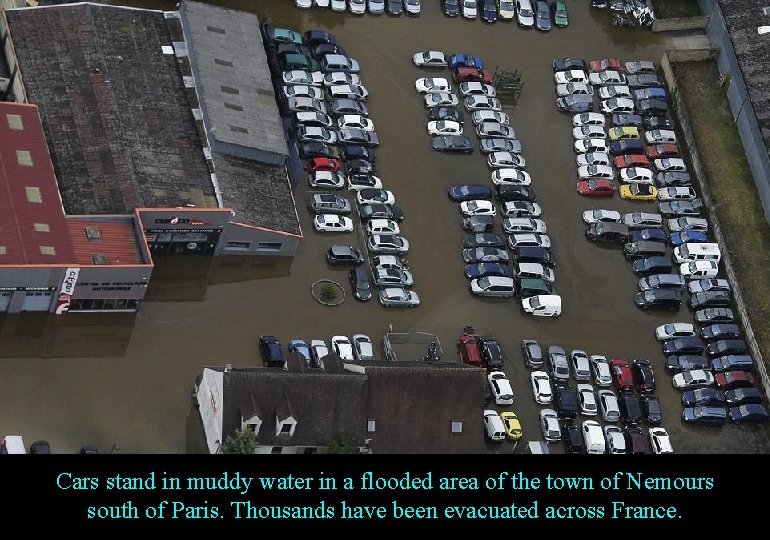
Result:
[600,367]
[398,297]
[608,405]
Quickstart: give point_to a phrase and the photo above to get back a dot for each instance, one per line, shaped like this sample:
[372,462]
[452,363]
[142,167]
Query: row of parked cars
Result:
[359,7]
[712,366]
[356,348]
[538,14]
[614,400]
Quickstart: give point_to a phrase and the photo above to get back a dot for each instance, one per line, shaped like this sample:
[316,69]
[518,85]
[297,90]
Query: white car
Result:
[607,77]
[304,4]
[584,146]
[549,425]
[674,330]
[670,164]
[493,286]
[470,8]
[435,99]
[596,171]
[340,77]
[593,437]
[297,76]
[432,84]
[374,196]
[588,118]
[313,118]
[342,346]
[474,88]
[321,3]
[601,215]
[486,115]
[609,92]
[382,226]
[699,269]
[524,14]
[347,91]
[501,388]
[429,59]
[444,127]
[528,240]
[617,105]
[537,270]
[359,182]
[318,351]
[588,132]
[355,121]
[587,400]
[493,130]
[523,224]
[693,378]
[658,136]
[376,7]
[520,209]
[303,90]
[679,193]
[593,158]
[570,76]
[332,223]
[642,220]
[363,350]
[541,387]
[511,176]
[571,88]
[357,7]
[338,5]
[478,208]
[600,367]
[326,180]
[475,103]
[660,441]
[616,442]
[506,10]
[608,404]
[412,7]
[638,175]
[504,160]
[581,366]
[687,223]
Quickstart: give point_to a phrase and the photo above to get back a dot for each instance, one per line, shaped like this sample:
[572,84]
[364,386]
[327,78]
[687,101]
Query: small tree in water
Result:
[343,446]
[244,442]
[328,293]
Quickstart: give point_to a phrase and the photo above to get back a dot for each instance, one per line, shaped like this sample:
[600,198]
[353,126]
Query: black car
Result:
[341,106]
[328,48]
[651,409]
[652,265]
[684,345]
[446,112]
[394,7]
[532,353]
[704,299]
[357,151]
[453,143]
[479,224]
[313,149]
[651,106]
[629,407]
[491,353]
[566,401]
[40,447]
[626,119]
[703,397]
[659,298]
[534,255]
[488,10]
[721,331]
[685,362]
[743,396]
[724,347]
[658,122]
[573,439]
[644,377]
[567,64]
[627,146]
[271,351]
[513,192]
[636,442]
[348,255]
[316,37]
[380,211]
[705,415]
[359,167]
[360,283]
[451,8]
[483,240]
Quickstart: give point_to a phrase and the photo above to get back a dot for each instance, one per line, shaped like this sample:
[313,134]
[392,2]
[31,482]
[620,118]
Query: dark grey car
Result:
[558,363]
[328,203]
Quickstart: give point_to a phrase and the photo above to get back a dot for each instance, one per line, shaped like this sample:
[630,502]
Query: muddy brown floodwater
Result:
[108,381]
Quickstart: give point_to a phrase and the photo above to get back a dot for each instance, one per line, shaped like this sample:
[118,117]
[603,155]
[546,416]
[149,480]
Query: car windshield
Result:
[526,12]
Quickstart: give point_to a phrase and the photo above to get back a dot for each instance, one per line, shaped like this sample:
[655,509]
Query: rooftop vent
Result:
[763,29]
[99,259]
[93,233]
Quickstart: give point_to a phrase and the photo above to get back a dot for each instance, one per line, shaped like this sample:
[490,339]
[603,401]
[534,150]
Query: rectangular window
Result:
[23,157]
[93,233]
[98,258]
[33,194]
[242,246]
[230,90]
[239,129]
[3,250]
[269,246]
[223,62]
[42,227]
[286,428]
[370,426]
[233,107]
[216,30]
[47,250]
[310,450]
[457,426]
[15,122]
[276,449]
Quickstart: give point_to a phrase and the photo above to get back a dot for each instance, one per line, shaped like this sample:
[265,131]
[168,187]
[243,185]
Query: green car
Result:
[560,16]
[284,35]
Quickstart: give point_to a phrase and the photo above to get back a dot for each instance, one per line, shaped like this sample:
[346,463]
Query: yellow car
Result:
[512,425]
[638,192]
[618,133]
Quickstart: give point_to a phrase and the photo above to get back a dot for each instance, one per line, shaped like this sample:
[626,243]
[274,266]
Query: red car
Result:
[655,151]
[323,164]
[733,379]
[606,63]
[468,74]
[622,377]
[468,348]
[596,187]
[631,160]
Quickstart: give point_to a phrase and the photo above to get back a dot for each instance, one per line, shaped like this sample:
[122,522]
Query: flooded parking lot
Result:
[127,382]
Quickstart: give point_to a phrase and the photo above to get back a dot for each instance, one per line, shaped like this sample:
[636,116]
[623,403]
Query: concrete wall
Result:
[682,117]
[680,24]
[235,233]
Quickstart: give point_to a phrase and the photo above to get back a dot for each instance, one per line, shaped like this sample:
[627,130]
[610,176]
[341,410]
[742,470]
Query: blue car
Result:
[464,60]
[627,146]
[488,11]
[743,396]
[703,397]
[684,345]
[651,93]
[302,348]
[682,237]
[477,270]
[707,416]
[752,412]
[649,235]
[470,192]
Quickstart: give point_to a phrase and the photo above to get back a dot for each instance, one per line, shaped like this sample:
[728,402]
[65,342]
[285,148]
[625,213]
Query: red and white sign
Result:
[67,288]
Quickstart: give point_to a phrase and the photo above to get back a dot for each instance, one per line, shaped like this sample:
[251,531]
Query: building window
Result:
[99,258]
[457,426]
[239,129]
[286,428]
[276,450]
[33,194]
[233,107]
[269,246]
[223,62]
[15,122]
[24,157]
[242,246]
[230,90]
[370,426]
[42,227]
[311,450]
[47,250]
[93,233]
[3,250]
[216,30]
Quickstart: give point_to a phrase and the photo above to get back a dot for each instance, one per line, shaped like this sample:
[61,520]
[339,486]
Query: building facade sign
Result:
[67,288]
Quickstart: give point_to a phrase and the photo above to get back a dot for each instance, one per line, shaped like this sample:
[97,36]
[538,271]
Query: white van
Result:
[525,16]
[493,425]
[699,269]
[697,251]
[544,305]
[13,444]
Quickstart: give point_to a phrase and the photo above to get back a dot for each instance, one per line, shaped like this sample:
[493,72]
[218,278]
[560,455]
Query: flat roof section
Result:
[233,79]
[105,241]
[32,226]
[120,129]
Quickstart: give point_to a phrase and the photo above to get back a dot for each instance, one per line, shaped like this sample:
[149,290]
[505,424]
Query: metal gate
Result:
[5,299]
[37,301]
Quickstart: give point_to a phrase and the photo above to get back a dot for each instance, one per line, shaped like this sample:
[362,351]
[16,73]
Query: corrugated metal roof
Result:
[32,224]
[112,241]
